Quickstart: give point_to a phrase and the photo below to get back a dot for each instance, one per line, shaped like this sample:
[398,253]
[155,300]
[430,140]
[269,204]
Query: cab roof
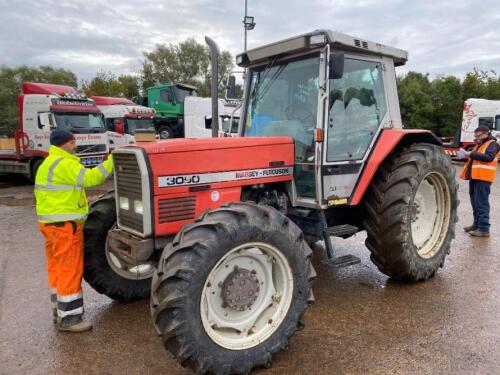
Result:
[319,38]
[46,88]
[182,85]
[108,100]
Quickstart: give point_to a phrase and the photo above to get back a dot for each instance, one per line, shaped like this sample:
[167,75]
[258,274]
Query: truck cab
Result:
[168,102]
[122,118]
[45,107]
[198,117]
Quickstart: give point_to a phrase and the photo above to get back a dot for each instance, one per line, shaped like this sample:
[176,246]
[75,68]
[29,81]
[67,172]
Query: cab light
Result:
[138,208]
[319,135]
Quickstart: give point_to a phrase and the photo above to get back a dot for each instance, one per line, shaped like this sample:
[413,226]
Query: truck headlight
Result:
[138,208]
[123,203]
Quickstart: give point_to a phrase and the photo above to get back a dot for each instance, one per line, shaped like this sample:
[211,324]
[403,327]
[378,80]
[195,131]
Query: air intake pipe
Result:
[214,53]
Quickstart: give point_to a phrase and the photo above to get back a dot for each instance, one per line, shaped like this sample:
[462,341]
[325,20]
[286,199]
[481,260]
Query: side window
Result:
[357,107]
[166,95]
[497,123]
[110,124]
[486,121]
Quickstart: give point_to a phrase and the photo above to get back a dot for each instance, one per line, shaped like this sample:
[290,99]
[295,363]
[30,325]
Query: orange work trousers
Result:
[64,253]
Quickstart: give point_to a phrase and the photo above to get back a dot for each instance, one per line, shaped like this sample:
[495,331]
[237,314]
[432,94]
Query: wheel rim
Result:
[165,134]
[246,296]
[430,214]
[126,269]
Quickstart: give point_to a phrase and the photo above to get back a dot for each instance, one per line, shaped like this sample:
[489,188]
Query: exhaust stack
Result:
[214,52]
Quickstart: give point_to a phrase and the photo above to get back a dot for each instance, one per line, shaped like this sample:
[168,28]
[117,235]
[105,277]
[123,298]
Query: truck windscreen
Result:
[182,92]
[134,124]
[78,122]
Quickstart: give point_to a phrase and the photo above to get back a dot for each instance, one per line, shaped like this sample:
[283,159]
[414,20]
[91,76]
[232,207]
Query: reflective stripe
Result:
[81,176]
[77,311]
[70,297]
[61,217]
[490,167]
[103,170]
[57,187]
[50,176]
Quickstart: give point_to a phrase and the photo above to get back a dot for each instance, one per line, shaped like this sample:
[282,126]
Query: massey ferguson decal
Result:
[210,178]
[469,114]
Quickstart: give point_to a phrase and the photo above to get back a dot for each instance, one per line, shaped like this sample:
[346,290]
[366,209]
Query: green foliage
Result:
[10,86]
[106,84]
[186,62]
[437,104]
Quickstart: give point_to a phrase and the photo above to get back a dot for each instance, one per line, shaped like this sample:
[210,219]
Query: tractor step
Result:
[342,261]
[343,231]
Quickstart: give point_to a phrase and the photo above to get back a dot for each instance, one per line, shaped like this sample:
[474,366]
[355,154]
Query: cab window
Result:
[356,109]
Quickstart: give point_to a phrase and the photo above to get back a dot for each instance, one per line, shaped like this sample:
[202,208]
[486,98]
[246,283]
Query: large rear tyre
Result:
[106,272]
[411,210]
[231,289]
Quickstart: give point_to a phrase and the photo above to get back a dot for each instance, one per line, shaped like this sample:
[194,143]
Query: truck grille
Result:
[129,185]
[176,209]
[86,149]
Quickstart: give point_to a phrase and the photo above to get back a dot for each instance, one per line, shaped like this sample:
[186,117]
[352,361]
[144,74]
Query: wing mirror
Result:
[119,127]
[45,121]
[336,65]
[231,88]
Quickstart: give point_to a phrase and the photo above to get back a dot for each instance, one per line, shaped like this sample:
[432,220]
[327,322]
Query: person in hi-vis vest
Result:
[62,207]
[480,169]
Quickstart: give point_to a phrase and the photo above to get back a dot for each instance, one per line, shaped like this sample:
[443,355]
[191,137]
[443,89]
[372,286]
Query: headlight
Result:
[138,208]
[123,202]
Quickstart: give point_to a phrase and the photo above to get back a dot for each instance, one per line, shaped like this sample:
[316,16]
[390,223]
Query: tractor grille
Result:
[129,185]
[86,149]
[176,209]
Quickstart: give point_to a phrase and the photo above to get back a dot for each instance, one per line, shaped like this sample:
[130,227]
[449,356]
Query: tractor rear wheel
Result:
[231,289]
[411,209]
[106,272]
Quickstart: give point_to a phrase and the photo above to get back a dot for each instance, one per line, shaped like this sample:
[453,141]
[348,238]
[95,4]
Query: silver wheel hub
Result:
[246,296]
[240,289]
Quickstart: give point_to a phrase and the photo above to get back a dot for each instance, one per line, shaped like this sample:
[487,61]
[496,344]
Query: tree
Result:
[10,86]
[106,84]
[448,104]
[186,62]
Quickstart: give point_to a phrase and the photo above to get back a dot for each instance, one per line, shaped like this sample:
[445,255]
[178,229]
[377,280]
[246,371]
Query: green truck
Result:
[168,102]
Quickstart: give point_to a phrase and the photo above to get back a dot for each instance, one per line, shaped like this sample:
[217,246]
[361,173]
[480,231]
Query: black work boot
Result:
[470,228]
[73,324]
[479,233]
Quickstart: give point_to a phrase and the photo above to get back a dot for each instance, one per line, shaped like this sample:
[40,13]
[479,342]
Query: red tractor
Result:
[218,231]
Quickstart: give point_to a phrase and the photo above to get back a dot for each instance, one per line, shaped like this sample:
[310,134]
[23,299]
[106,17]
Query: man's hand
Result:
[462,154]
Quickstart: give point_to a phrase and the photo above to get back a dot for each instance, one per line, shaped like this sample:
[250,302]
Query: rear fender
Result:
[389,140]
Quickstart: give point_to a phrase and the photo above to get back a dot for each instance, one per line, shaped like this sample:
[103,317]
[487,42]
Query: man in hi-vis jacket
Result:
[62,207]
[480,169]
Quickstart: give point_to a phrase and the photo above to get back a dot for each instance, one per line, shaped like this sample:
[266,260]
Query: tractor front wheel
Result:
[231,289]
[411,213]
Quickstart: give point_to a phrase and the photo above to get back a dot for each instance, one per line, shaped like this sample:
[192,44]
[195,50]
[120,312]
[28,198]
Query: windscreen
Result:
[78,122]
[182,92]
[133,124]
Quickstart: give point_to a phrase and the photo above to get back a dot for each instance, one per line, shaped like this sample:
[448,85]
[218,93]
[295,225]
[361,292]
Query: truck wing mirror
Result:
[231,88]
[45,121]
[119,127]
[336,65]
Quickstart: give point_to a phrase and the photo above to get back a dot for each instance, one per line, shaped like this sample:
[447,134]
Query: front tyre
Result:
[411,209]
[105,271]
[231,289]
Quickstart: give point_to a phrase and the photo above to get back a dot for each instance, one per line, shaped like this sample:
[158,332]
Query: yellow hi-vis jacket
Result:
[60,183]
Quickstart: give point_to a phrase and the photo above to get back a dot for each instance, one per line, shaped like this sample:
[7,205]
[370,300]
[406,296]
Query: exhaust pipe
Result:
[214,52]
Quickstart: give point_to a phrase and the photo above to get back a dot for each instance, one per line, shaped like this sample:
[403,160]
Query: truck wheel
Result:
[231,289]
[34,169]
[165,132]
[106,272]
[411,209]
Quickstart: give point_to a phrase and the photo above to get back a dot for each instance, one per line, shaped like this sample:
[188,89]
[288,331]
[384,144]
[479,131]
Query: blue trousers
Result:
[479,192]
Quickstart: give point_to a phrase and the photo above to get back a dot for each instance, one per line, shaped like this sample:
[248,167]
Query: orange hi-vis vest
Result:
[481,170]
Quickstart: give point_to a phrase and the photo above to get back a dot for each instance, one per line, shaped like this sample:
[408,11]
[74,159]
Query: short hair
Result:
[482,129]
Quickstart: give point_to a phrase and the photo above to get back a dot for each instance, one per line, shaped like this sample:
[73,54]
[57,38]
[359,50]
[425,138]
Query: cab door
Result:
[357,111]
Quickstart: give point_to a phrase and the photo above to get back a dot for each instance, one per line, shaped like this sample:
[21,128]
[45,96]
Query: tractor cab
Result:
[333,94]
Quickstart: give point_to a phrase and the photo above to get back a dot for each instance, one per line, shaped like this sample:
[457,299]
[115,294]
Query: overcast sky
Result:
[85,36]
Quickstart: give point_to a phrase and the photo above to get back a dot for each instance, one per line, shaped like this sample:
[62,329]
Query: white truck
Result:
[44,107]
[198,118]
[476,112]
[123,117]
